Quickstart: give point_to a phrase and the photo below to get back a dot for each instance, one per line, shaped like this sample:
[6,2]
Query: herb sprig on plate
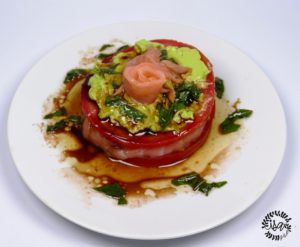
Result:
[229,124]
[197,183]
[113,190]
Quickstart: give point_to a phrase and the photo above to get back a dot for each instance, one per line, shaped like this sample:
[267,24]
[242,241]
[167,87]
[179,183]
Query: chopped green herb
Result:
[219,87]
[229,125]
[165,115]
[122,201]
[197,183]
[104,55]
[113,100]
[163,54]
[172,60]
[185,95]
[75,119]
[113,190]
[186,179]
[109,70]
[75,74]
[59,113]
[60,125]
[106,70]
[125,108]
[115,84]
[122,48]
[105,46]
[57,126]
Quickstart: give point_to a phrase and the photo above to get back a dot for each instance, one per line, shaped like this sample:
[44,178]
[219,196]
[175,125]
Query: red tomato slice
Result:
[176,156]
[123,139]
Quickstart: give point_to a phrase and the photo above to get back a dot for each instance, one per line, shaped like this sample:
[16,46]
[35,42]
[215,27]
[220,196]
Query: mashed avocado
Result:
[161,115]
[184,56]
[101,88]
[189,58]
[143,44]
[121,59]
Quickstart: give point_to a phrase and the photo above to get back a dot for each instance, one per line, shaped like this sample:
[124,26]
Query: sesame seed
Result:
[90,178]
[149,192]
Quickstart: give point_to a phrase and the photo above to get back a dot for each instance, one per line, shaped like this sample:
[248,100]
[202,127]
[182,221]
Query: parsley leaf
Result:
[104,55]
[219,87]
[186,94]
[229,125]
[197,183]
[125,109]
[122,48]
[59,113]
[72,120]
[105,70]
[165,115]
[163,54]
[74,74]
[113,190]
[105,46]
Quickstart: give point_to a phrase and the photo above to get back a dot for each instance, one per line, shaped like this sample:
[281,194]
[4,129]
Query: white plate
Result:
[249,175]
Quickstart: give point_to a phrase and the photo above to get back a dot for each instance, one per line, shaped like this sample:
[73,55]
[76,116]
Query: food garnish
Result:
[186,94]
[121,48]
[219,86]
[68,122]
[229,124]
[113,190]
[59,113]
[124,108]
[105,46]
[75,74]
[197,183]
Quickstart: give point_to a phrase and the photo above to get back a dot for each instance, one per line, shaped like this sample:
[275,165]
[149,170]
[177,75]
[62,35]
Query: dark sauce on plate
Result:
[140,183]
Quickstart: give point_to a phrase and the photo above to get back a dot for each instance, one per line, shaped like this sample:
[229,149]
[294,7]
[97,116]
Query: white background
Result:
[266,31]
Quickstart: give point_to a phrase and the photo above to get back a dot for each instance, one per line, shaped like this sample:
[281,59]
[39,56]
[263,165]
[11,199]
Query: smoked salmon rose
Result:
[143,82]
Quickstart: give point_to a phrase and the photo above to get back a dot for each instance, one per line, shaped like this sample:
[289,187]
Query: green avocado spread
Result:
[162,114]
[184,56]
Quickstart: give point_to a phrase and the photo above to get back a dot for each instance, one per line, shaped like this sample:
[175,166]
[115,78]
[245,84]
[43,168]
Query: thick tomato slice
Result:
[126,140]
[175,156]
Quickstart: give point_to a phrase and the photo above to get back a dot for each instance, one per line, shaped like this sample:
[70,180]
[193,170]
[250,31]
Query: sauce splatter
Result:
[141,184]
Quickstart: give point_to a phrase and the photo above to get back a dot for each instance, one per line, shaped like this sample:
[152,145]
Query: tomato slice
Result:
[176,156]
[122,138]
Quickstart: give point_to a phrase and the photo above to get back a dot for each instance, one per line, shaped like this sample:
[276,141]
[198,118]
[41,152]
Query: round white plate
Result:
[248,176]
